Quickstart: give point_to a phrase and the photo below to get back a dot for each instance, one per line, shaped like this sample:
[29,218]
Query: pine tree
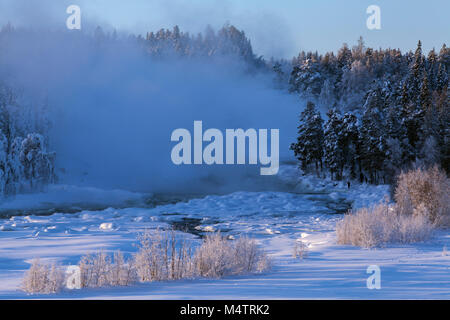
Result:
[334,153]
[426,116]
[398,150]
[416,74]
[307,78]
[432,68]
[349,142]
[3,163]
[416,99]
[396,130]
[442,101]
[280,76]
[444,56]
[309,146]
[442,78]
[372,140]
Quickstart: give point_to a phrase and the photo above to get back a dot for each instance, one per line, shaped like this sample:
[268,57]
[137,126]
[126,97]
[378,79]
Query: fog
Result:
[113,109]
[267,26]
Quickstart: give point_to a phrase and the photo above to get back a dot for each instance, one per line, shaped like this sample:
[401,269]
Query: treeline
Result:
[227,43]
[386,111]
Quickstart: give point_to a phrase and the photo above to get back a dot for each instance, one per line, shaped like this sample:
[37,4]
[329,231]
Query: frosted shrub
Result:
[99,270]
[214,258]
[122,273]
[249,258]
[422,203]
[414,229]
[300,250]
[381,224]
[43,278]
[94,270]
[217,257]
[162,256]
[424,192]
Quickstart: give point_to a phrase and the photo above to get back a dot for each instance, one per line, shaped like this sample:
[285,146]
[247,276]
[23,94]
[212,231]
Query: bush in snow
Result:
[422,203]
[249,257]
[43,278]
[122,272]
[300,250]
[424,192]
[381,224]
[100,270]
[163,256]
[95,270]
[217,257]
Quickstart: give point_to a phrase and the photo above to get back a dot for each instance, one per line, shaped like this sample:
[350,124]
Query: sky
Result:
[279,28]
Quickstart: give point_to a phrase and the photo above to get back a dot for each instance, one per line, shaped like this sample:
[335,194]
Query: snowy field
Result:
[276,219]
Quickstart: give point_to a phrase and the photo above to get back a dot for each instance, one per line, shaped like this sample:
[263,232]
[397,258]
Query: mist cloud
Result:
[269,32]
[114,109]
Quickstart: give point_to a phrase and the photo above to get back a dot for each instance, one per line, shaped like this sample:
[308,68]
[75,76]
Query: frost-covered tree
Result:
[227,42]
[350,144]
[398,149]
[372,139]
[441,78]
[25,163]
[307,79]
[309,146]
[38,164]
[4,168]
[334,153]
[416,73]
[399,99]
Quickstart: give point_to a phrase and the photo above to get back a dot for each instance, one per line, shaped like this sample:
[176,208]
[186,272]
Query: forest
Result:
[369,113]
[386,111]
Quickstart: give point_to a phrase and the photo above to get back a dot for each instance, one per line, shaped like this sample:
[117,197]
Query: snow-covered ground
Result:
[276,219]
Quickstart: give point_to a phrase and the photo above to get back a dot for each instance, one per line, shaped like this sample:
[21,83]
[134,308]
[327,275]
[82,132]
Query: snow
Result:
[276,219]
[107,226]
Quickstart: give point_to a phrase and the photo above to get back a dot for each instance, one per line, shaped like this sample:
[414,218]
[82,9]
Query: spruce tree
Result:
[309,146]
[442,78]
[349,143]
[416,74]
[372,139]
[334,153]
[426,116]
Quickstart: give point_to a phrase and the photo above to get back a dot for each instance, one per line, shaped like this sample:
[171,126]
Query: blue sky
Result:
[278,28]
